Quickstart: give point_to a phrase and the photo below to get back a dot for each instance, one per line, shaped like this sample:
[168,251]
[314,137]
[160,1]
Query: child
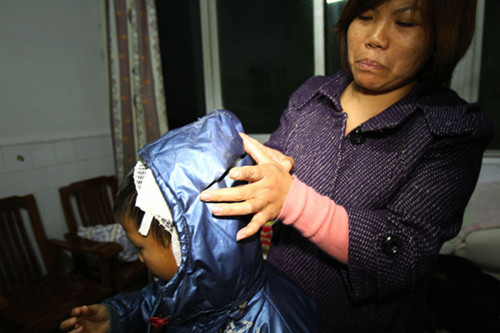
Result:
[208,282]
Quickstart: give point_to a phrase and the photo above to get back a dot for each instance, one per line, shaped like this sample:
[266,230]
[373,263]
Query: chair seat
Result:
[50,301]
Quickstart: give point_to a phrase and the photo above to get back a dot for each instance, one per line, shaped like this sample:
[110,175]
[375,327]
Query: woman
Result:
[386,159]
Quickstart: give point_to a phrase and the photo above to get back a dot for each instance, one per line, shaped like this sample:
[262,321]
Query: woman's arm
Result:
[270,196]
[318,218]
[394,246]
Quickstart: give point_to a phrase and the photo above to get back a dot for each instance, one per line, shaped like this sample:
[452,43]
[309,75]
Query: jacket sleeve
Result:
[391,248]
[130,311]
[318,218]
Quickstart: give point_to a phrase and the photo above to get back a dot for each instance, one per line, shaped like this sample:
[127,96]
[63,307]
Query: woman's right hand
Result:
[256,149]
[268,184]
[87,318]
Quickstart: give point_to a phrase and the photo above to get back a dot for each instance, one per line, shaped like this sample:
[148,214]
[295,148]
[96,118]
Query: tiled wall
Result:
[41,168]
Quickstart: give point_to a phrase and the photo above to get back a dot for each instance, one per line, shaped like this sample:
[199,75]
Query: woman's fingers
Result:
[285,161]
[254,148]
[250,174]
[233,209]
[268,184]
[221,195]
[262,154]
[253,226]
[263,196]
[243,200]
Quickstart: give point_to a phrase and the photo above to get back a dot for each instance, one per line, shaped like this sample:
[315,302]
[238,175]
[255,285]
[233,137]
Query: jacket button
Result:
[392,246]
[357,137]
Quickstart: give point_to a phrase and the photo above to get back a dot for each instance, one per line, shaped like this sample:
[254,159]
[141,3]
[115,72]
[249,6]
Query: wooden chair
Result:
[36,298]
[89,203]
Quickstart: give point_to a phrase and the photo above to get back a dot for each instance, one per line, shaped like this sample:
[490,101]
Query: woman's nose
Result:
[378,36]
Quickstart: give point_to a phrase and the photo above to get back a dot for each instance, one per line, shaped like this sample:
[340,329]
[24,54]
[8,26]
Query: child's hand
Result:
[92,318]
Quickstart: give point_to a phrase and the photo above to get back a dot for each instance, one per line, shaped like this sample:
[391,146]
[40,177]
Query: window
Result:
[249,56]
[266,51]
[489,88]
[332,50]
[179,32]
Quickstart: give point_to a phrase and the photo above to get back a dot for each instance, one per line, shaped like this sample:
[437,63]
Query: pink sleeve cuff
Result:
[318,218]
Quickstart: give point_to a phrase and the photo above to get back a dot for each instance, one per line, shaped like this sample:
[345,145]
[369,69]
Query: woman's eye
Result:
[364,17]
[405,24]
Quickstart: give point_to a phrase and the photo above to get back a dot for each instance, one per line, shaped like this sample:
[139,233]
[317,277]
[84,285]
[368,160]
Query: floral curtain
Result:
[137,102]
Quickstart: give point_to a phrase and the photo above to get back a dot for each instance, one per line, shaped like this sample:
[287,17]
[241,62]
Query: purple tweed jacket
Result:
[404,177]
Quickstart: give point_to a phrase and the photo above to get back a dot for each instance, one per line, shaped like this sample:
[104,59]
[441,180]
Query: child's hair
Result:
[125,209]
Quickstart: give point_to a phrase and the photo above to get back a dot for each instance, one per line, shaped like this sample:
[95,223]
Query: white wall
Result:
[54,119]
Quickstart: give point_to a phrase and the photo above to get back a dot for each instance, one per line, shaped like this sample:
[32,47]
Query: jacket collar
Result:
[442,108]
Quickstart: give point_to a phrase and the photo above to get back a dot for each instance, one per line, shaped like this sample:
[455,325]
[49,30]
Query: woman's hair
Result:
[125,210]
[450,24]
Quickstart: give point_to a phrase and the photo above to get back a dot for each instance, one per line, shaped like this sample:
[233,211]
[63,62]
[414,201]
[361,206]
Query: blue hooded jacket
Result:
[221,285]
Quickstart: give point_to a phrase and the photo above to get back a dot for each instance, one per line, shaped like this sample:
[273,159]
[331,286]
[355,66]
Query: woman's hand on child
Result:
[264,196]
[253,147]
[87,318]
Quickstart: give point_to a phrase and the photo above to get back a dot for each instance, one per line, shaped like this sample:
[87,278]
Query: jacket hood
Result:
[217,274]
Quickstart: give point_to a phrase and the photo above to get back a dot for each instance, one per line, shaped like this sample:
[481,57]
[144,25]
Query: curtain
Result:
[137,98]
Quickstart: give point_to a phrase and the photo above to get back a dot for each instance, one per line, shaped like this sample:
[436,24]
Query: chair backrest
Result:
[21,234]
[89,202]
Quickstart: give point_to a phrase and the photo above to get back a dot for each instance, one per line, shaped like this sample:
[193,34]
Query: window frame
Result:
[465,80]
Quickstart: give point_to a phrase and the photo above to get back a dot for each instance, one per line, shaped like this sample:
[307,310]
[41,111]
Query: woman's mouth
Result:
[369,64]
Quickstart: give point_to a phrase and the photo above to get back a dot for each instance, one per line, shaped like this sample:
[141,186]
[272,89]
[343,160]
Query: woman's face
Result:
[388,46]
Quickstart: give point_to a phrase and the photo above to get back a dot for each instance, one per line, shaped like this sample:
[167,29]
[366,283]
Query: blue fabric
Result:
[221,284]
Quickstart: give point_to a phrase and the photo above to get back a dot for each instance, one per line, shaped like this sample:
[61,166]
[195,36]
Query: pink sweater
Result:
[318,218]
